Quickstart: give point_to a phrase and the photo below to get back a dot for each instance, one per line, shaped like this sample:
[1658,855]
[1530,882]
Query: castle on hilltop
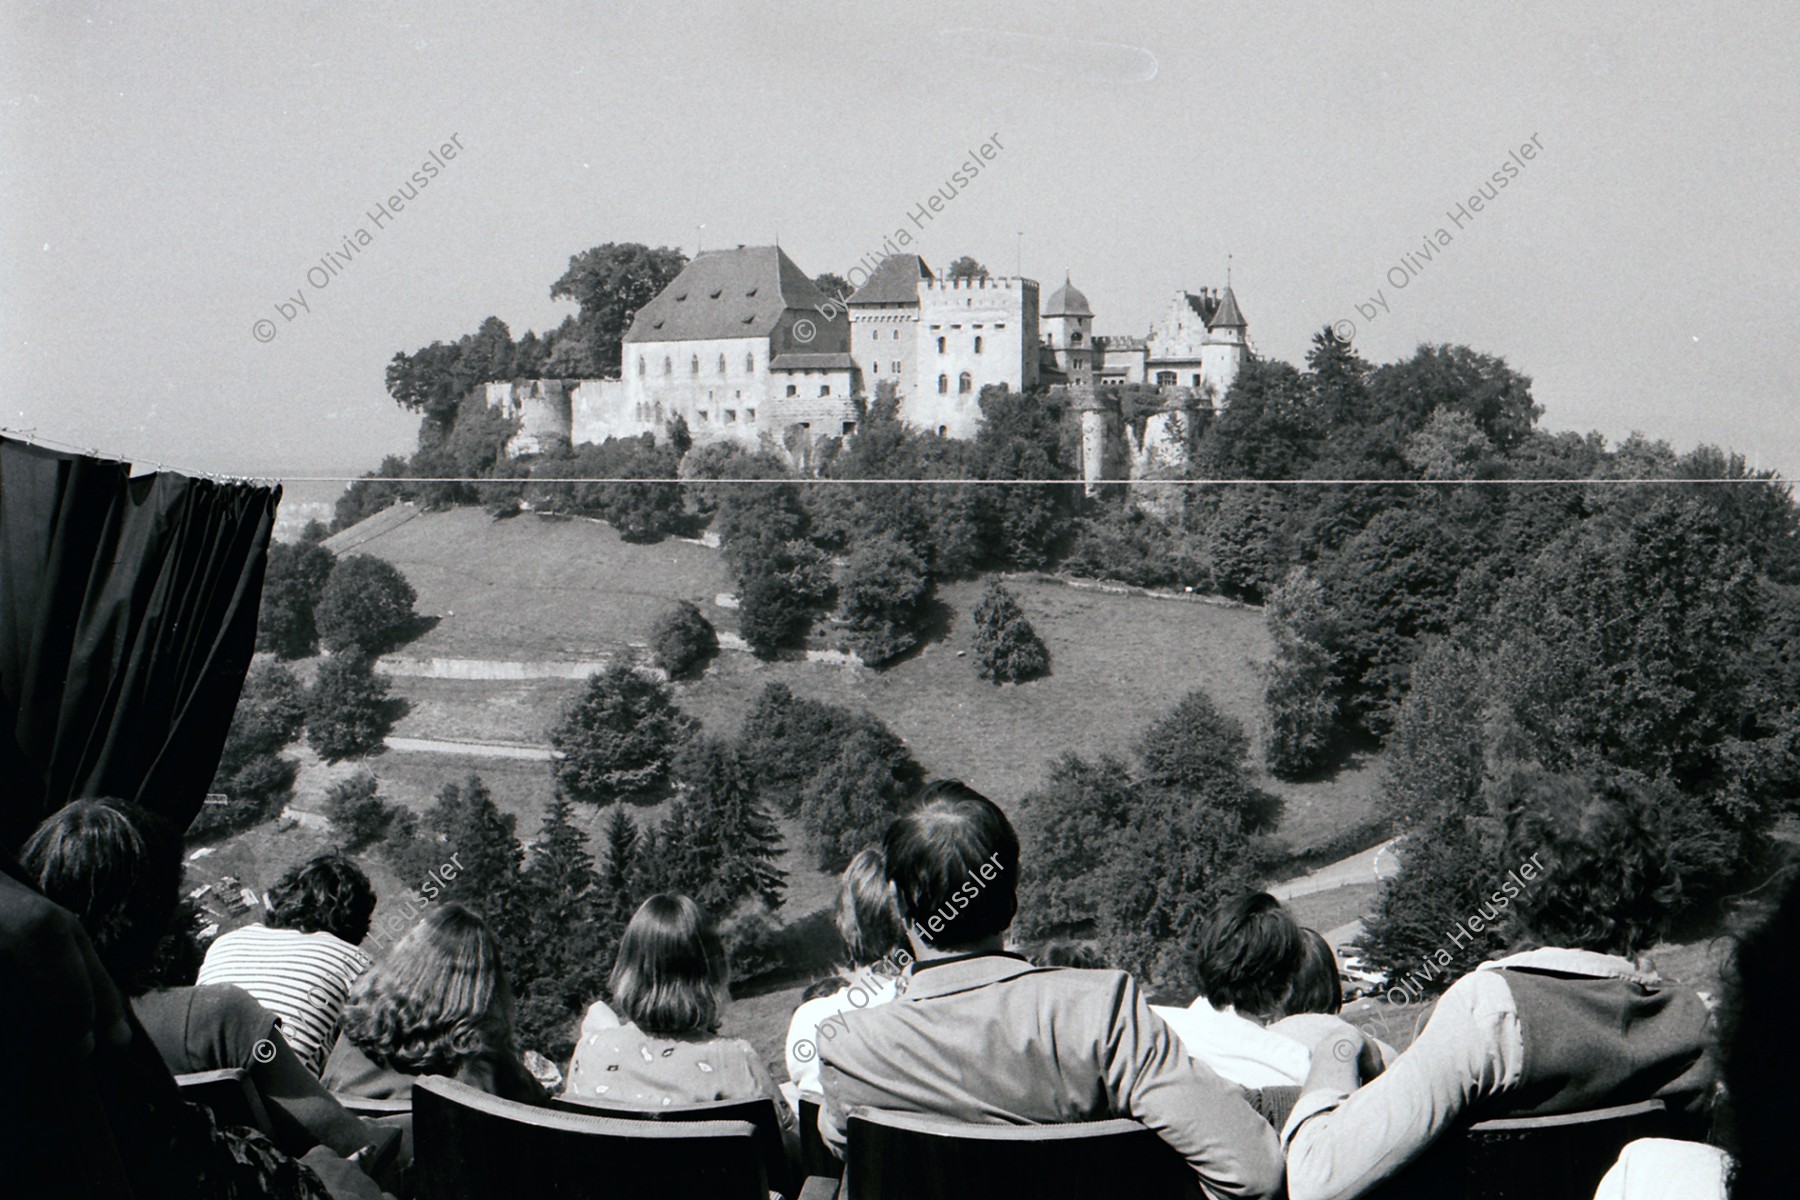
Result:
[743,347]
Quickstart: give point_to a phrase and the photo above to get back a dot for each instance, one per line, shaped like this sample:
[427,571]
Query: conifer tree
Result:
[616,739]
[724,828]
[850,802]
[1007,648]
[619,869]
[566,943]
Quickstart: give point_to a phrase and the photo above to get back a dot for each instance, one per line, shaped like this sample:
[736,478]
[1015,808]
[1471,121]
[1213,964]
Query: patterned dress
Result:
[627,1067]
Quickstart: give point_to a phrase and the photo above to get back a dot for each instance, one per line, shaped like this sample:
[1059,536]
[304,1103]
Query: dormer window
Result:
[681,297]
[715,293]
[751,292]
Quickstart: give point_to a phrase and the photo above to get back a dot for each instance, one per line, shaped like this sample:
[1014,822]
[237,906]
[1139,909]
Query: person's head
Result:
[1246,955]
[438,999]
[866,918]
[1759,1051]
[326,894]
[954,863]
[671,976]
[1604,885]
[1318,988]
[115,867]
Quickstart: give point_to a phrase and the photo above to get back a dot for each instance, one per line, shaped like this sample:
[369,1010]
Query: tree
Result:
[1446,873]
[849,804]
[463,820]
[1436,761]
[367,605]
[369,495]
[567,938]
[785,741]
[1007,648]
[883,599]
[359,814]
[347,713]
[780,598]
[1300,691]
[616,739]
[618,869]
[252,774]
[1201,755]
[683,639]
[611,282]
[965,267]
[1020,437]
[1068,825]
[721,810]
[292,585]
[835,287]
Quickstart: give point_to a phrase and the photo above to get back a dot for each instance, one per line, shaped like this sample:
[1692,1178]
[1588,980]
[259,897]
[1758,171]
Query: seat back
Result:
[365,1106]
[896,1156]
[816,1157]
[760,1115]
[1561,1157]
[468,1145]
[231,1096]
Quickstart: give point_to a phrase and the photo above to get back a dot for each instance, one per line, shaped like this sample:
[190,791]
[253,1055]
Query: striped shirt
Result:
[303,978]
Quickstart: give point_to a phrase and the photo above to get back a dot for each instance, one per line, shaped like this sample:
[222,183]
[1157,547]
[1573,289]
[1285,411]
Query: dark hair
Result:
[866,918]
[1318,988]
[438,1000]
[1246,955]
[671,974]
[1061,953]
[325,894]
[1605,886]
[114,865]
[933,855]
[1759,1053]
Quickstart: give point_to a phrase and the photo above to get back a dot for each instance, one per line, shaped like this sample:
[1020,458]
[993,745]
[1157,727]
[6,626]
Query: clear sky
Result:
[169,172]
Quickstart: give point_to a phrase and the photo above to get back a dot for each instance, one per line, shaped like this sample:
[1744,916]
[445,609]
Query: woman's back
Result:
[634,1069]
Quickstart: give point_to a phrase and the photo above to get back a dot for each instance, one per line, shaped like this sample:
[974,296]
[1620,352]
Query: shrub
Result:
[292,586]
[884,599]
[785,741]
[1007,648]
[361,817]
[753,942]
[683,639]
[617,737]
[347,712]
[367,605]
[850,802]
[252,775]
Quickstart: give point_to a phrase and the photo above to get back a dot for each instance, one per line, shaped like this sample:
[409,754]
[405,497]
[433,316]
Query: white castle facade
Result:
[742,346]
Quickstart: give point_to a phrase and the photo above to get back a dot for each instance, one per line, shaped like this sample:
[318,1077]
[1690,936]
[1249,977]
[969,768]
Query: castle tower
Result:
[1069,334]
[1225,349]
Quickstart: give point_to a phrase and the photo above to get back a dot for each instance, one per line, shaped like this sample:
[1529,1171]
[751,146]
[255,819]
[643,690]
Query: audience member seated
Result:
[1247,954]
[875,945]
[87,1107]
[980,1035]
[102,860]
[437,1004]
[670,984]
[1316,1000]
[1761,1060]
[303,959]
[1065,953]
[1566,1023]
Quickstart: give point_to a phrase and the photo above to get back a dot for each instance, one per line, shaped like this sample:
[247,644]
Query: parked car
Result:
[1358,977]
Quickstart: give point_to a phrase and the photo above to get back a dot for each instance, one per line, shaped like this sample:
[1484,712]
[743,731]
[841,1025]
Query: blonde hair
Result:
[437,1001]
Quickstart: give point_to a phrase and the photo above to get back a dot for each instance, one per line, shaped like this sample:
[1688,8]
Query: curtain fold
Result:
[127,620]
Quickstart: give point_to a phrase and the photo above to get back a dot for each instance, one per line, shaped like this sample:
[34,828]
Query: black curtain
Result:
[127,621]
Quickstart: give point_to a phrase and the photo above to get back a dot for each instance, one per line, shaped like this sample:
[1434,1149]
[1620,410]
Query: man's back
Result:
[991,1039]
[303,978]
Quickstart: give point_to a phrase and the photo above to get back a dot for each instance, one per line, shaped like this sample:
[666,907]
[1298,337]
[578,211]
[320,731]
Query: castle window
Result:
[703,415]
[964,384]
[1196,381]
[849,428]
[1165,379]
[875,368]
[694,366]
[668,367]
[749,414]
[793,390]
[749,364]
[940,345]
[640,366]
[943,385]
[731,416]
[824,389]
[896,367]
[978,343]
[942,430]
[1075,338]
[721,364]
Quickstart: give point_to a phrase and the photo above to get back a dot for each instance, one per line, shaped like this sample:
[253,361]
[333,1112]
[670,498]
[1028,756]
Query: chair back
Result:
[900,1156]
[1561,1157]
[760,1115]
[469,1145]
[231,1096]
[816,1157]
[367,1106]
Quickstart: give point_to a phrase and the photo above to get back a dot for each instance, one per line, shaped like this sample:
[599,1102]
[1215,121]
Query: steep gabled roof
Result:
[1227,316]
[1204,304]
[895,281]
[737,293]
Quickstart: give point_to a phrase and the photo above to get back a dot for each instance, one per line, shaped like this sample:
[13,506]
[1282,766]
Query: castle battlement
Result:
[1006,283]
